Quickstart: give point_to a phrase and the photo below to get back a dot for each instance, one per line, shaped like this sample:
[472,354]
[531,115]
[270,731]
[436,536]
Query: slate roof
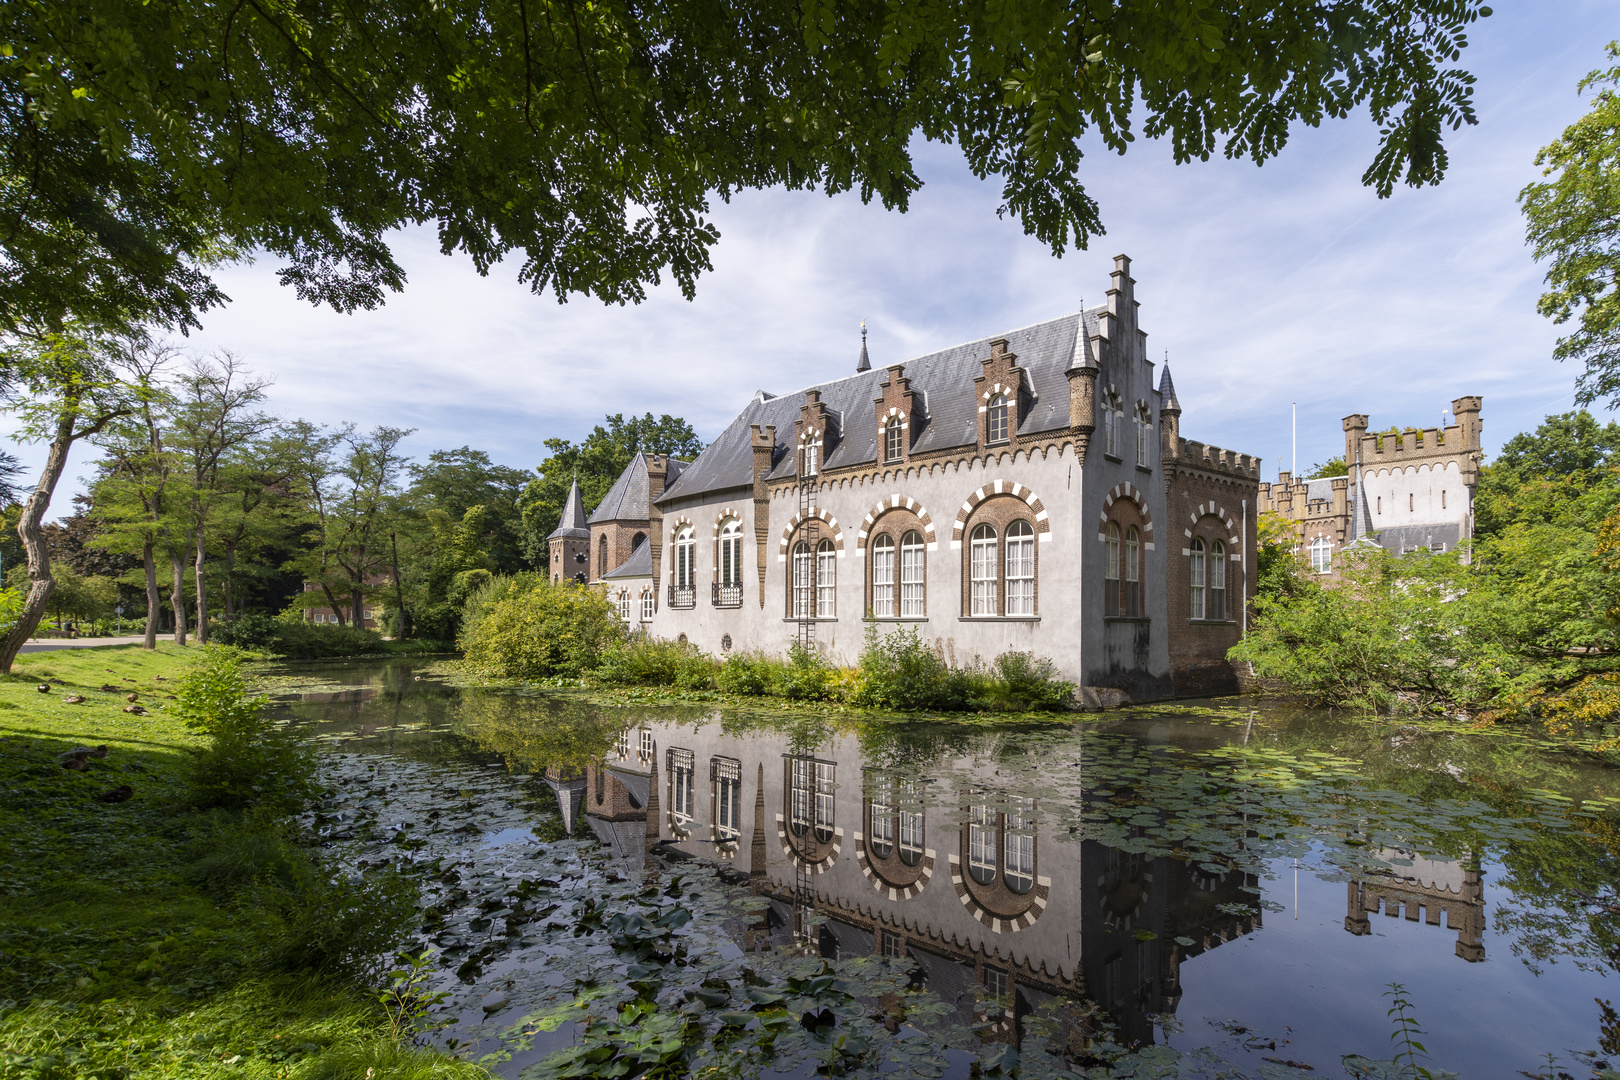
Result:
[1319,489]
[627,499]
[1167,391]
[572,524]
[944,382]
[638,565]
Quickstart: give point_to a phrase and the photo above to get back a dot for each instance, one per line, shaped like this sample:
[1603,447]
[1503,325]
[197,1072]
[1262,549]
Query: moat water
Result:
[1214,874]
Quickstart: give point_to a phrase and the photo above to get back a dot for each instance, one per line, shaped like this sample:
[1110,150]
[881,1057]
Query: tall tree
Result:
[1573,220]
[140,143]
[455,481]
[1570,452]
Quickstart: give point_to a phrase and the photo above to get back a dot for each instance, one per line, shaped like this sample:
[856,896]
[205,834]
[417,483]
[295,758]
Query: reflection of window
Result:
[645,747]
[826,580]
[1020,569]
[726,775]
[882,822]
[824,801]
[891,943]
[913,566]
[995,982]
[624,745]
[911,836]
[996,419]
[731,552]
[810,797]
[982,572]
[1020,841]
[1321,554]
[682,769]
[982,844]
[800,791]
[883,577]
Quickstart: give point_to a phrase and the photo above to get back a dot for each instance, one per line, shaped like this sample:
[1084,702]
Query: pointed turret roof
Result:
[572,524]
[1082,358]
[865,362]
[1167,392]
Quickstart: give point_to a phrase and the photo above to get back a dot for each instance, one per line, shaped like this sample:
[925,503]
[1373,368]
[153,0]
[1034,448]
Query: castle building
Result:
[1027,491]
[1405,490]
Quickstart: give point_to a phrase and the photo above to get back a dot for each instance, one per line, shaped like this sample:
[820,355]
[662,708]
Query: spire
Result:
[1167,390]
[865,363]
[572,524]
[1082,358]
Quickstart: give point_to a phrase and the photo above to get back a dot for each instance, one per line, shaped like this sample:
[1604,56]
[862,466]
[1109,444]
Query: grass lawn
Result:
[148,937]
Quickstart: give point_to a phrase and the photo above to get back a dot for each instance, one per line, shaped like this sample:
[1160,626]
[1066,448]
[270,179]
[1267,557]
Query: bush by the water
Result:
[899,672]
[250,760]
[646,661]
[294,638]
[534,630]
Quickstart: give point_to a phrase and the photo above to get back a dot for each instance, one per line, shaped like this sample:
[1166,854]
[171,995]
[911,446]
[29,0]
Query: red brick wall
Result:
[1208,506]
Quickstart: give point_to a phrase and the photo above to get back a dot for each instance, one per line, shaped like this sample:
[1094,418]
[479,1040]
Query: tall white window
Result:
[731,552]
[812,455]
[982,844]
[1019,870]
[996,419]
[912,570]
[1110,436]
[883,577]
[1133,573]
[893,440]
[825,787]
[801,790]
[1195,565]
[647,606]
[727,778]
[1111,570]
[1217,580]
[1321,554]
[982,572]
[1142,430]
[644,746]
[911,837]
[1020,569]
[826,580]
[622,604]
[804,580]
[685,558]
[682,766]
[882,813]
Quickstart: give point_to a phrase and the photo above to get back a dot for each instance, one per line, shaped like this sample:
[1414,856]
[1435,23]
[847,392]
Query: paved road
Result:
[47,644]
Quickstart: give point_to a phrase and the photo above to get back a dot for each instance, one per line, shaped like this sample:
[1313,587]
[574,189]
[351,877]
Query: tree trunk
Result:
[40,583]
[177,597]
[154,602]
[230,578]
[357,607]
[399,591]
[202,589]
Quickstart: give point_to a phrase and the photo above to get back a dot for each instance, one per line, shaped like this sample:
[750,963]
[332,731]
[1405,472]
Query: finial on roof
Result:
[1167,389]
[1082,360]
[865,363]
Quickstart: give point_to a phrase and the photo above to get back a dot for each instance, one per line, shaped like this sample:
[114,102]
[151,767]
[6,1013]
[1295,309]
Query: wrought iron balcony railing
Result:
[727,595]
[682,598]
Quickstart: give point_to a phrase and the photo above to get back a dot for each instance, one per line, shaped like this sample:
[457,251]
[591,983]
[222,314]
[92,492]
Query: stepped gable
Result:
[949,414]
[573,524]
[629,498]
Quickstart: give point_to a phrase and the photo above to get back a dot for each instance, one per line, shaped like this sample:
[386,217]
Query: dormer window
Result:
[996,421]
[812,455]
[893,440]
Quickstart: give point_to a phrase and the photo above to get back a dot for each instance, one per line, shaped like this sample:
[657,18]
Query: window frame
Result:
[1018,569]
[1217,581]
[983,595]
[685,558]
[894,441]
[1133,573]
[1196,577]
[913,575]
[1321,545]
[802,581]
[883,576]
[997,416]
[729,556]
[649,605]
[811,463]
[1143,457]
[1111,563]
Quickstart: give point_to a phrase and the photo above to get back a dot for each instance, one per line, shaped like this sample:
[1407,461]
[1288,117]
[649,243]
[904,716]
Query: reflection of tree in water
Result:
[1563,898]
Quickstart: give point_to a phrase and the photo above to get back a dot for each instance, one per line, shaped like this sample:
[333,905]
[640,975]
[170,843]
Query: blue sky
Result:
[1267,286]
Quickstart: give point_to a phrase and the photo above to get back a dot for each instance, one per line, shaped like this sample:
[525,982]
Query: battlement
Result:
[1213,457]
[1457,440]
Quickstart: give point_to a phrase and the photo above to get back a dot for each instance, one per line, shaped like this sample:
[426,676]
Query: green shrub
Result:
[805,676]
[898,671]
[1021,682]
[542,631]
[250,760]
[747,673]
[646,661]
[482,598]
[248,630]
[294,638]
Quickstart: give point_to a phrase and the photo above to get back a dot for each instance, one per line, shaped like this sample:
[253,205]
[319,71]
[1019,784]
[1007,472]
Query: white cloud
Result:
[1290,282]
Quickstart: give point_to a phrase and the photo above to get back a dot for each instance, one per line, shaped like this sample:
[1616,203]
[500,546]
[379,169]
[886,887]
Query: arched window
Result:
[882,842]
[685,558]
[983,844]
[647,605]
[810,797]
[1111,570]
[601,557]
[894,440]
[826,580]
[883,577]
[1110,437]
[731,552]
[621,604]
[804,580]
[996,420]
[1411,502]
[1020,568]
[1217,580]
[1142,429]
[812,454]
[682,766]
[911,837]
[1321,554]
[913,570]
[637,540]
[1133,573]
[982,572]
[1195,567]
[1019,838]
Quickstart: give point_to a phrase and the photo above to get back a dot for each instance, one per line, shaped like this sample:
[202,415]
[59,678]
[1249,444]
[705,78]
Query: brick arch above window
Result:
[1210,509]
[722,517]
[797,520]
[678,524]
[1131,493]
[894,502]
[1043,527]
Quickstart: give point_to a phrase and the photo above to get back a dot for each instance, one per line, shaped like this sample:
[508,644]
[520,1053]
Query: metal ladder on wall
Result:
[810,536]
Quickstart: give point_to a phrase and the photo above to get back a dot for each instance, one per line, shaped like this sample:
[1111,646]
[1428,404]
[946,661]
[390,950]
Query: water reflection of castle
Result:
[1430,887]
[944,864]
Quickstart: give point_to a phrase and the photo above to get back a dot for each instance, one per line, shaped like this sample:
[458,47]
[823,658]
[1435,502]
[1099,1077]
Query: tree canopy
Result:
[145,142]
[1573,219]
